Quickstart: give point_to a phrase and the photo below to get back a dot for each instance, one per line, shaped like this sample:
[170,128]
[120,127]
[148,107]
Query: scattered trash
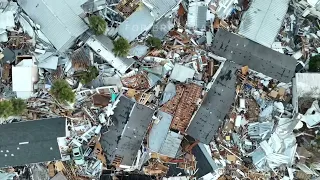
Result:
[169,89]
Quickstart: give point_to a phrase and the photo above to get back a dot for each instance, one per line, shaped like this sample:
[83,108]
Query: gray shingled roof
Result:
[57,21]
[218,100]
[259,58]
[31,141]
[125,137]
[215,106]
[205,162]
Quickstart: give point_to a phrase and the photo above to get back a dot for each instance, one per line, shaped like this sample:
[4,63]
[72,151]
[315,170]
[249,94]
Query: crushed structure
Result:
[262,21]
[57,20]
[123,140]
[245,52]
[168,89]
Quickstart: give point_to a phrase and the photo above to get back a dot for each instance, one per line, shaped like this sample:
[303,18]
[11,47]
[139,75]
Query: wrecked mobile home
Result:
[159,89]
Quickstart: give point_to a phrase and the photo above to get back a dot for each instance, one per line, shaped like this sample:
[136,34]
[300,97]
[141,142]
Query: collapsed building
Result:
[58,22]
[123,140]
[215,101]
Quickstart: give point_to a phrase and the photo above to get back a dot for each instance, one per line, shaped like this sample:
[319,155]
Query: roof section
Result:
[131,121]
[24,75]
[80,59]
[171,144]
[6,19]
[259,58]
[56,19]
[162,27]
[138,22]
[93,5]
[215,106]
[59,176]
[205,162]
[31,141]
[103,46]
[160,7]
[159,131]
[307,85]
[9,56]
[75,5]
[182,73]
[197,15]
[263,20]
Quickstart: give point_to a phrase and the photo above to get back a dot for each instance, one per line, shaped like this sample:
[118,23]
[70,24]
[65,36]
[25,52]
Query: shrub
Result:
[62,91]
[121,47]
[314,64]
[13,107]
[89,75]
[154,42]
[97,24]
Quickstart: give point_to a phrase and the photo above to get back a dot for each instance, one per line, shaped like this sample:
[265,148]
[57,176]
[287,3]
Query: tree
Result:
[62,91]
[13,107]
[18,105]
[154,42]
[97,24]
[121,47]
[6,109]
[89,75]
[314,64]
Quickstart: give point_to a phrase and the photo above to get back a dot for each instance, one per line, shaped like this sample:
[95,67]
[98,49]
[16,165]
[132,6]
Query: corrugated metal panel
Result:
[262,22]
[307,85]
[171,145]
[202,17]
[162,28]
[121,64]
[197,15]
[192,16]
[138,22]
[75,5]
[57,21]
[158,134]
[161,7]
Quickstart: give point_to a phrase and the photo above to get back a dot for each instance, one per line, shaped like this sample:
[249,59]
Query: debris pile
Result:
[166,89]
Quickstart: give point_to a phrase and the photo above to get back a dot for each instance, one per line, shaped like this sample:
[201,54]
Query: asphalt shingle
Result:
[31,141]
[259,58]
[215,105]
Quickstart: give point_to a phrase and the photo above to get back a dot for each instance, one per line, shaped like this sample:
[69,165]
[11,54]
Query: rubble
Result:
[225,95]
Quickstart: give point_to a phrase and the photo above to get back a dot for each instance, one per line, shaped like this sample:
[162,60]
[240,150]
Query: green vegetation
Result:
[162,55]
[19,106]
[314,64]
[121,47]
[6,109]
[89,75]
[13,107]
[154,42]
[97,24]
[62,91]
